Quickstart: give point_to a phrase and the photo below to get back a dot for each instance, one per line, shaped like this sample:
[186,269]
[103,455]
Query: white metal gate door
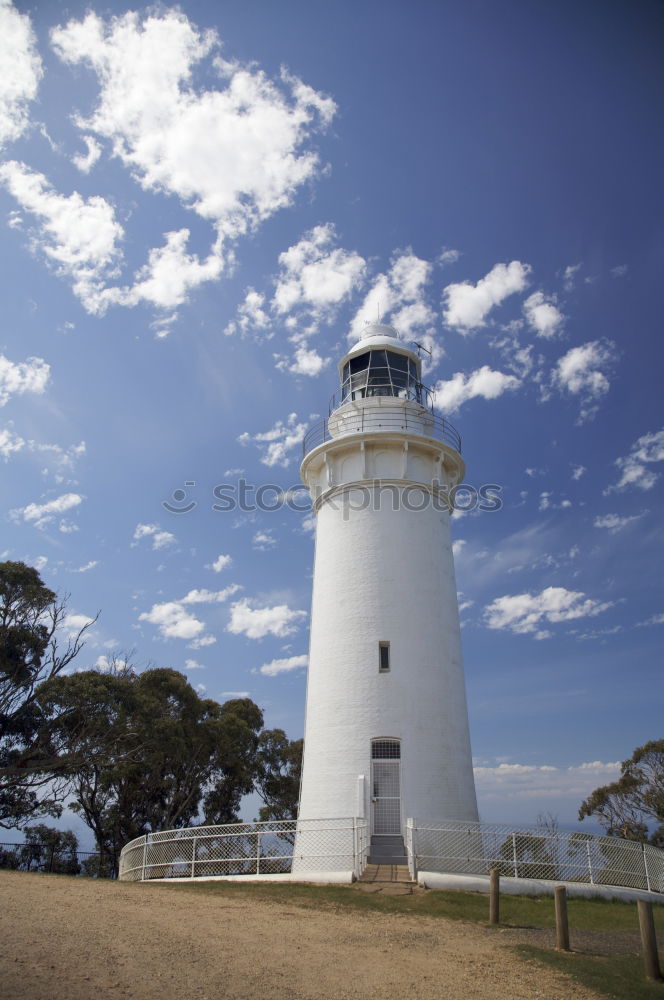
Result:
[385,787]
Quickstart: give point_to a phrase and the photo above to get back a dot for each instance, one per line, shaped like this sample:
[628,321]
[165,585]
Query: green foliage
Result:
[629,806]
[45,849]
[30,653]
[151,754]
[618,976]
[278,767]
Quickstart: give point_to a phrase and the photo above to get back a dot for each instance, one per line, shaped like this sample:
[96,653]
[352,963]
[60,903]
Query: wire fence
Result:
[533,853]
[271,848]
[50,858]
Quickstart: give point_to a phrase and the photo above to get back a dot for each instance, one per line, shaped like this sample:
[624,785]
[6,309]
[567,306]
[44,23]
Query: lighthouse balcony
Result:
[381,414]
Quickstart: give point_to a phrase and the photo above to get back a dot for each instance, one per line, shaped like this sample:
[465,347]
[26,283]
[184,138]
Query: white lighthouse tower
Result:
[386,735]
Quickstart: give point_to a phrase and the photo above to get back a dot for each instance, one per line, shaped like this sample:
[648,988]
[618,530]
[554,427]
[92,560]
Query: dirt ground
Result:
[80,939]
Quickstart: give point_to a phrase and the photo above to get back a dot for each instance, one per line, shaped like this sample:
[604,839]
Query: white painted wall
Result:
[384,575]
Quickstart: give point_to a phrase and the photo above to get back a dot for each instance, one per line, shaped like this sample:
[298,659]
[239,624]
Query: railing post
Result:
[648,940]
[193,858]
[514,856]
[645,865]
[258,852]
[145,857]
[494,895]
[590,864]
[562,925]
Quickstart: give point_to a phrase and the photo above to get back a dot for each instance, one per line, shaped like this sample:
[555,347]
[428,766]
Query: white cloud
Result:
[42,514]
[578,471]
[305,361]
[466,306]
[160,539]
[210,596]
[173,621]
[236,694]
[449,257]
[277,444]
[21,71]
[400,298]
[317,275]
[256,623]
[451,394]
[653,620]
[72,624]
[251,316]
[86,162]
[506,781]
[233,155]
[193,665]
[543,315]
[583,372]
[614,523]
[522,613]
[634,472]
[569,276]
[262,541]
[10,443]
[220,563]
[19,377]
[40,563]
[87,567]
[283,666]
[79,236]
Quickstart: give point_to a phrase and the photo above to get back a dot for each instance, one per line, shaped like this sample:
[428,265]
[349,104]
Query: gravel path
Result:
[79,939]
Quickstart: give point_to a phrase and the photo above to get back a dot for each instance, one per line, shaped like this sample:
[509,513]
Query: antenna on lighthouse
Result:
[421,347]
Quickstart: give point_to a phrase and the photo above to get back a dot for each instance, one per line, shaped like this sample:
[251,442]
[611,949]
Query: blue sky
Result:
[200,207]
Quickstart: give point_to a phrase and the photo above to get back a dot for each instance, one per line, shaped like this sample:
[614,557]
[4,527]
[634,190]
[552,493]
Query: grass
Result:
[515,911]
[619,976]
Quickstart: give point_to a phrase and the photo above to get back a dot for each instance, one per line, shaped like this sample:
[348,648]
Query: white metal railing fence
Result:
[533,853]
[270,848]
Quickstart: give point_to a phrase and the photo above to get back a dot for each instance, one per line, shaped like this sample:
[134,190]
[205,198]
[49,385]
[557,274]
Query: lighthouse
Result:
[386,732]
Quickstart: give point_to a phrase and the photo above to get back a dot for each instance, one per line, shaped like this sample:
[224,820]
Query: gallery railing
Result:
[533,853]
[271,848]
[393,418]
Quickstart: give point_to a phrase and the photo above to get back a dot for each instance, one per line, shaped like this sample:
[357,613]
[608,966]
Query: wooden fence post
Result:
[648,940]
[494,896]
[562,926]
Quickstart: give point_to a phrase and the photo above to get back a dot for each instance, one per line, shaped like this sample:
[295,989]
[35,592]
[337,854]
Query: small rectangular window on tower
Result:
[383,657]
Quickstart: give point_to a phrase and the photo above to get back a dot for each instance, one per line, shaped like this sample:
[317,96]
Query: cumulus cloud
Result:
[251,315]
[316,274]
[634,471]
[21,71]
[503,781]
[262,541]
[43,514]
[233,154]
[175,621]
[256,623]
[583,372]
[278,444]
[86,162]
[79,237]
[615,523]
[452,393]
[10,442]
[20,377]
[400,298]
[220,563]
[466,306]
[160,539]
[542,315]
[524,613]
[283,666]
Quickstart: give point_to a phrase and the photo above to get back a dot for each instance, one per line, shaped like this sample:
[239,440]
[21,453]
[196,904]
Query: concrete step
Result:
[387,850]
